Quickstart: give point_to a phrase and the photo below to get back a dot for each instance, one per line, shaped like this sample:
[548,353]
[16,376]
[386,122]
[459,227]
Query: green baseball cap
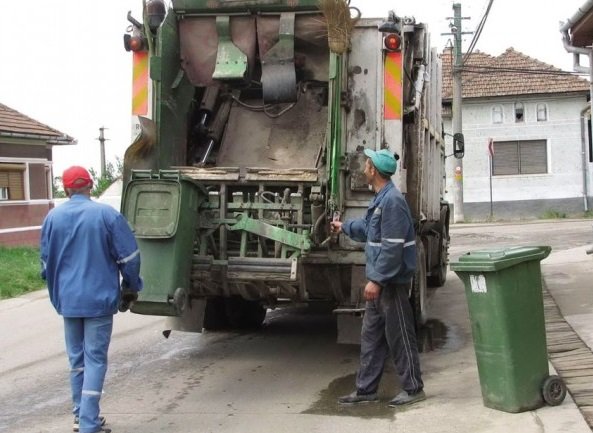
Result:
[383,160]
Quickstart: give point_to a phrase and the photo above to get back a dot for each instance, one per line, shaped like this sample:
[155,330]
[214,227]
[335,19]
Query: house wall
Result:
[20,220]
[522,196]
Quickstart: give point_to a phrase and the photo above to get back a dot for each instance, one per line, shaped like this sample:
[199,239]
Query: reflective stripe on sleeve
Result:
[130,257]
[394,241]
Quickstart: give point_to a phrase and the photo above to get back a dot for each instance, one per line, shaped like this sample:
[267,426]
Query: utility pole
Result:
[456,109]
[102,140]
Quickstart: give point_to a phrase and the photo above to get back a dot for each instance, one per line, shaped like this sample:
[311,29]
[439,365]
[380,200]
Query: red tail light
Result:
[392,42]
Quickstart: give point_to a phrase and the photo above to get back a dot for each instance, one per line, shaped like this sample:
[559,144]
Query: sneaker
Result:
[404,398]
[76,424]
[356,398]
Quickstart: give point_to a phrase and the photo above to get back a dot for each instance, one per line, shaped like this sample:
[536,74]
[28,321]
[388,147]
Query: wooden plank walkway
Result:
[571,357]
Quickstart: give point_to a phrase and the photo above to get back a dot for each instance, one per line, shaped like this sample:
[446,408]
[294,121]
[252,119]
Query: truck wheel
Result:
[244,314]
[553,390]
[215,317]
[418,298]
[439,272]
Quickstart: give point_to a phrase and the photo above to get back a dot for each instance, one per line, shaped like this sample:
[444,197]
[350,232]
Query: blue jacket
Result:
[388,231]
[85,246]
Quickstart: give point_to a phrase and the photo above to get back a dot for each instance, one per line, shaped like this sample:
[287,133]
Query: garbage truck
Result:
[252,119]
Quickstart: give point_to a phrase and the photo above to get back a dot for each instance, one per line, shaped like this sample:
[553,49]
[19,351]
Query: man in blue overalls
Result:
[388,324]
[85,246]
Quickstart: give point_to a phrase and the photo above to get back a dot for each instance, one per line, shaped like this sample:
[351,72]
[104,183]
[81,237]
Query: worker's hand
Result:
[372,291]
[336,227]
[126,301]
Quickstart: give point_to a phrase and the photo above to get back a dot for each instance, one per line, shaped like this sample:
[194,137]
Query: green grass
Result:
[20,271]
[553,214]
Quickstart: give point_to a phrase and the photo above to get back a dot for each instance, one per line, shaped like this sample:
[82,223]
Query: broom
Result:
[339,23]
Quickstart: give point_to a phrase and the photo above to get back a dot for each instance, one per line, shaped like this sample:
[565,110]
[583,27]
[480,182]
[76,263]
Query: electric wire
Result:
[477,33]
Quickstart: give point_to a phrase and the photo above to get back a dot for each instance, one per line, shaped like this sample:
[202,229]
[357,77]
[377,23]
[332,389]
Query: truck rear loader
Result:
[253,120]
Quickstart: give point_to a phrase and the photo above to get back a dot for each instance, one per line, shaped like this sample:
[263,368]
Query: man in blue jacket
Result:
[85,246]
[388,323]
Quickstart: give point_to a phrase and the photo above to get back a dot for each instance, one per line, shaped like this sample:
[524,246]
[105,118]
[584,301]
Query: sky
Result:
[63,62]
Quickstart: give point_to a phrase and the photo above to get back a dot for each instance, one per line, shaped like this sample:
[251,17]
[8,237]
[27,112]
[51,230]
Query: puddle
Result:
[432,336]
[328,399]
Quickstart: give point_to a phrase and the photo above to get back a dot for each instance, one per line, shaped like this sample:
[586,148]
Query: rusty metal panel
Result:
[286,175]
[365,72]
[213,174]
[295,139]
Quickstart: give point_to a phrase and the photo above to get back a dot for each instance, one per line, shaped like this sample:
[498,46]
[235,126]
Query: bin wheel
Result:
[553,390]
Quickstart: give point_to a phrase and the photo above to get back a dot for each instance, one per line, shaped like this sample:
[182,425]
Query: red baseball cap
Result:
[76,177]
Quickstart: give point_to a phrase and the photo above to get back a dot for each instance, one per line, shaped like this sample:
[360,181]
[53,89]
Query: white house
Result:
[537,119]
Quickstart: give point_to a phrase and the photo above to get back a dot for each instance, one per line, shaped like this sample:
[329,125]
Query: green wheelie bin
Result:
[504,295]
[162,209]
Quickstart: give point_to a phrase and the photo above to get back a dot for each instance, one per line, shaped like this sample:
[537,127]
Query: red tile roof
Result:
[14,123]
[511,73]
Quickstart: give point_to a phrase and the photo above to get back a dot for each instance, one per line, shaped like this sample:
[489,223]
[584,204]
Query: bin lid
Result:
[498,258]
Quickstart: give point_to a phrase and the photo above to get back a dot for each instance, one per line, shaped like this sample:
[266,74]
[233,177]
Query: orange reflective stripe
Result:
[393,86]
[140,84]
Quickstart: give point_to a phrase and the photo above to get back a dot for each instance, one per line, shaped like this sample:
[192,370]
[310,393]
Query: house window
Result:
[3,193]
[497,114]
[519,112]
[520,157]
[542,112]
[12,180]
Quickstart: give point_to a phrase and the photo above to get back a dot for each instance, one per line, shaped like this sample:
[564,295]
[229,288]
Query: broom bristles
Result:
[339,24]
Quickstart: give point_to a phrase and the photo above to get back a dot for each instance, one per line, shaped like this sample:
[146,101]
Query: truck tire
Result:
[418,297]
[439,273]
[215,317]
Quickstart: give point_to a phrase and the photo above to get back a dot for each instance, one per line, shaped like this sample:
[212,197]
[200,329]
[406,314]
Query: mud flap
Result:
[191,318]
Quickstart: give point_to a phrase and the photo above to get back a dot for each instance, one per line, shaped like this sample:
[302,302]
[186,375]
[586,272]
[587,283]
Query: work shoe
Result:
[404,398]
[76,424]
[356,398]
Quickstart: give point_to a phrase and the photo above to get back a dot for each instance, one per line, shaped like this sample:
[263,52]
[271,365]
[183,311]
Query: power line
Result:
[478,32]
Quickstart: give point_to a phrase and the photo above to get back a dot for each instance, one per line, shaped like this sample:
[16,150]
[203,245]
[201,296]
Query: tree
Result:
[112,172]
[100,183]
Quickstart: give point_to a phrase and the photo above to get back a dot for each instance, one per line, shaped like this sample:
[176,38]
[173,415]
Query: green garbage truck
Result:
[252,118]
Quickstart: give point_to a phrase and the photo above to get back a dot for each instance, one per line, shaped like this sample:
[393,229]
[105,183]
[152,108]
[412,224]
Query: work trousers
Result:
[388,331]
[87,343]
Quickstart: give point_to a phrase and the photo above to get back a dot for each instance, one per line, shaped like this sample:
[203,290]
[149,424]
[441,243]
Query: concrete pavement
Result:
[214,383]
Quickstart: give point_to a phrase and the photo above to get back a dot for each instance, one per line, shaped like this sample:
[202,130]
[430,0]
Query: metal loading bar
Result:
[247,268]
